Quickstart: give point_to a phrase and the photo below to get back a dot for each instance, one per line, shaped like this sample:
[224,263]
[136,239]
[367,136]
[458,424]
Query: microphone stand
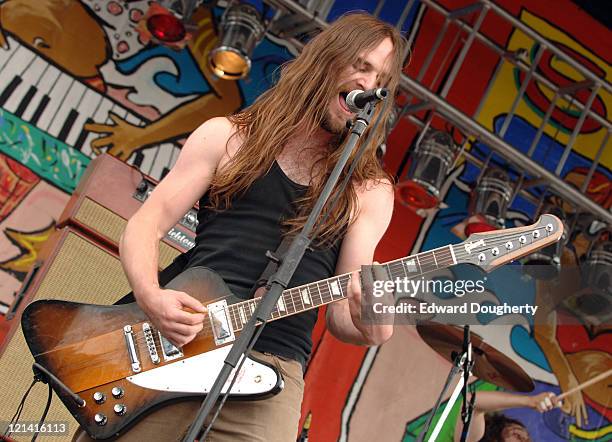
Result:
[281,278]
[468,406]
[462,366]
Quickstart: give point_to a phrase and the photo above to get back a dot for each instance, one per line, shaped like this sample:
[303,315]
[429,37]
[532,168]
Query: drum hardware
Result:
[470,355]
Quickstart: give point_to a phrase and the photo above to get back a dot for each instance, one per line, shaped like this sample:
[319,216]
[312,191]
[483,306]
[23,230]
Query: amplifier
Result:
[108,194]
[73,268]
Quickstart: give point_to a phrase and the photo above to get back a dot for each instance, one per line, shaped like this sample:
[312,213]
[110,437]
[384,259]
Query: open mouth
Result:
[342,99]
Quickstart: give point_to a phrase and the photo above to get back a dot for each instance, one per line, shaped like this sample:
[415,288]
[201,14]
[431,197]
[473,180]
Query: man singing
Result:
[257,175]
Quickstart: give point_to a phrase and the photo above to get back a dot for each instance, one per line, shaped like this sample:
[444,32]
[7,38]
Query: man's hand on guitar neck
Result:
[178,316]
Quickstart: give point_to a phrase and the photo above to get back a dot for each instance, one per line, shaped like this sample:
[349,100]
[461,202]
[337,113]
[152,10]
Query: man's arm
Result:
[360,241]
[172,198]
[491,401]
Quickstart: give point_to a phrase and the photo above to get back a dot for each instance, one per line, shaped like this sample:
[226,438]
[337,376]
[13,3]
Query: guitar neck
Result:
[316,294]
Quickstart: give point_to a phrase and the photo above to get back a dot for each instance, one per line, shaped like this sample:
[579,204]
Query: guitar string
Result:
[326,294]
[424,259]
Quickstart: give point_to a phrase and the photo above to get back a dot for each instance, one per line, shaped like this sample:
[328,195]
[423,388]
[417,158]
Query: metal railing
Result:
[438,105]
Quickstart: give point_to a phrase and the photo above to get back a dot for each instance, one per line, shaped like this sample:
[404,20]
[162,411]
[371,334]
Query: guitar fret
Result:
[440,257]
[418,265]
[345,284]
[452,252]
[230,314]
[300,299]
[292,305]
[320,294]
[297,300]
[403,267]
[247,312]
[425,264]
[294,301]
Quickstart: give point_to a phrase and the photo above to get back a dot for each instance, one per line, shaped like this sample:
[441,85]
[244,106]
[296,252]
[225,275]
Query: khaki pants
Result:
[275,419]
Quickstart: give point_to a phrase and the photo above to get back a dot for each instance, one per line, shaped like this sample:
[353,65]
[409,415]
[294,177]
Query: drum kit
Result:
[470,355]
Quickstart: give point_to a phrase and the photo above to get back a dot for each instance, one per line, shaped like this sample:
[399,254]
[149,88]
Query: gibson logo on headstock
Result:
[473,244]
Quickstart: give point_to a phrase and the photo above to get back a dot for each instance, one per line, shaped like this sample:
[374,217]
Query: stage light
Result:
[166,28]
[241,29]
[429,167]
[162,27]
[489,201]
[597,267]
[593,303]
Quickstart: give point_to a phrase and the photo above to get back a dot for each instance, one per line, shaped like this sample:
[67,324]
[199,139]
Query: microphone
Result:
[357,99]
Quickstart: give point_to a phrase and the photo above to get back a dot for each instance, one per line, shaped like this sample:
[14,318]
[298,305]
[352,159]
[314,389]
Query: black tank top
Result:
[233,242]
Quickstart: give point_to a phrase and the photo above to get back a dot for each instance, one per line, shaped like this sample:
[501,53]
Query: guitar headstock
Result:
[489,250]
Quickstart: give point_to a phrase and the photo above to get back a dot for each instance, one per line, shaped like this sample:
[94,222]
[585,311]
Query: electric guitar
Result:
[110,366]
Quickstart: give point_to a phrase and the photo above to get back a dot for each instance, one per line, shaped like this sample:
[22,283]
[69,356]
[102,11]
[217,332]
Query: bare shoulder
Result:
[211,136]
[375,195]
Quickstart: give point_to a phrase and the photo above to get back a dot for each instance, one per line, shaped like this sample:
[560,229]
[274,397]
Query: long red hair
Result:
[299,102]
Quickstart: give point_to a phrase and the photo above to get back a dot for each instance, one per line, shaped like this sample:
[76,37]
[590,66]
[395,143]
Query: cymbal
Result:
[489,364]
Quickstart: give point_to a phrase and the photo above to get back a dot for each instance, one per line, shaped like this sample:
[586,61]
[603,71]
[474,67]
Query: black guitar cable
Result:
[17,414]
[39,370]
[44,415]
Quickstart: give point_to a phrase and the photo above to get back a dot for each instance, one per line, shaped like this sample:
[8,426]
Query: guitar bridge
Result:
[148,334]
[131,348]
[220,321]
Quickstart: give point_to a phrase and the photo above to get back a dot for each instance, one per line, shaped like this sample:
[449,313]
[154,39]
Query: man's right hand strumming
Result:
[178,316]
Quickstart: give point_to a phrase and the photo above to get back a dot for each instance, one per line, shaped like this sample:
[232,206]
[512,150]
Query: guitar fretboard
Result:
[313,295]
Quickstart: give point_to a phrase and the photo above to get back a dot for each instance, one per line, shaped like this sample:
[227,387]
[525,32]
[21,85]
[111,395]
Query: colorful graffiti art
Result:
[77,79]
[387,393]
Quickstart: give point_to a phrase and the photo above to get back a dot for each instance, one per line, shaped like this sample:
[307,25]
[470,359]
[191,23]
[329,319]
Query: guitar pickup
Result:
[221,324]
[169,350]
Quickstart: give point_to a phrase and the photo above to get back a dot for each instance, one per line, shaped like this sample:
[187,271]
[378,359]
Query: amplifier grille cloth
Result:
[80,272]
[112,225]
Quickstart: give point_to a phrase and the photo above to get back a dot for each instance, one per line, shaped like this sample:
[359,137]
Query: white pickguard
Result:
[198,373]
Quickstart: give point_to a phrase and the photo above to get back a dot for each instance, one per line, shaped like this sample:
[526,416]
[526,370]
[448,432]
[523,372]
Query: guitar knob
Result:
[117,392]
[100,419]
[99,397]
[119,409]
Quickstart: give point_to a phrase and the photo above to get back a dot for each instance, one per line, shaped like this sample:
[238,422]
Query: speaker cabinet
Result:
[108,194]
[74,268]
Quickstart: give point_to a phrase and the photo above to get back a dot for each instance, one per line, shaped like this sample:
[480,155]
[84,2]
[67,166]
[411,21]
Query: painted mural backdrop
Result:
[76,79]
